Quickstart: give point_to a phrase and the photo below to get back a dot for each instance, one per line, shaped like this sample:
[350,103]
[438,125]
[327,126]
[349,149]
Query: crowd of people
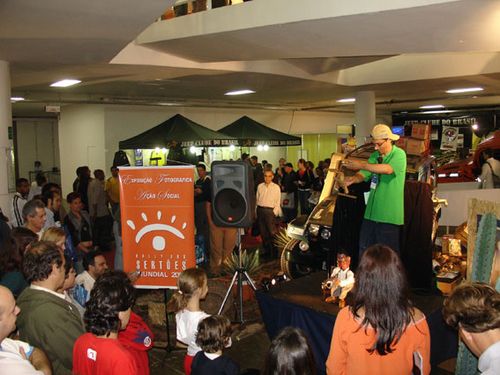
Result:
[67,303]
[63,311]
[281,193]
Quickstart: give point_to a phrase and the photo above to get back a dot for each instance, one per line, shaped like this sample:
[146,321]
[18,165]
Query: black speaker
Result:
[233,194]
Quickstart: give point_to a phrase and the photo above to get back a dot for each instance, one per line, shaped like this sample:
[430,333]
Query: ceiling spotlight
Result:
[163,150]
[192,150]
[475,126]
[65,83]
[239,92]
[346,100]
[157,149]
[260,148]
[266,147]
[16,99]
[466,89]
[431,106]
[232,148]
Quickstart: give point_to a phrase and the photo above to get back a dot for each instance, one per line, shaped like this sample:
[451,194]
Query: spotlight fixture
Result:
[239,92]
[232,148]
[463,90]
[266,147]
[65,83]
[192,150]
[475,126]
[279,278]
[260,148]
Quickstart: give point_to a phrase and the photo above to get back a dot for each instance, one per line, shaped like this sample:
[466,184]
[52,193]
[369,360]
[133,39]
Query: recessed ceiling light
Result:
[466,89]
[65,83]
[346,100]
[438,111]
[239,92]
[432,106]
[16,99]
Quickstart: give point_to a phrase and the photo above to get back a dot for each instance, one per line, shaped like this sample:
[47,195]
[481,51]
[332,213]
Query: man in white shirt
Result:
[18,202]
[17,357]
[489,171]
[268,201]
[473,308]
[95,265]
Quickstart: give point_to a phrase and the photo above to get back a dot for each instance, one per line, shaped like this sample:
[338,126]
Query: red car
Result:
[467,170]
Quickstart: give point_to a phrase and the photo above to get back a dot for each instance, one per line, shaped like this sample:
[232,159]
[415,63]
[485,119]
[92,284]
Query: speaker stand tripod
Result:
[240,272]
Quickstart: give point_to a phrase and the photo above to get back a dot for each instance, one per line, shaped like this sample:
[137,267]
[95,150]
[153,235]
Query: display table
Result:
[299,303]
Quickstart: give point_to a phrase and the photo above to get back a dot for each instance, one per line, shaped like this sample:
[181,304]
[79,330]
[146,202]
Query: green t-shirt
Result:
[386,201]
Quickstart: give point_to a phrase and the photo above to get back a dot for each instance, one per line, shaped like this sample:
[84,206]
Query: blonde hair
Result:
[188,283]
[53,234]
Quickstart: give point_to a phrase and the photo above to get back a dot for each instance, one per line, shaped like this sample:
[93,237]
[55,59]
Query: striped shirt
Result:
[18,203]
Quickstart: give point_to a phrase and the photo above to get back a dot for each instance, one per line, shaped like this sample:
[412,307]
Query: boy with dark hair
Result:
[107,312]
[214,334]
[474,309]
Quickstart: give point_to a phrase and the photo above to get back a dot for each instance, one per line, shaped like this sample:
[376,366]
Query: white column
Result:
[364,115]
[81,141]
[5,122]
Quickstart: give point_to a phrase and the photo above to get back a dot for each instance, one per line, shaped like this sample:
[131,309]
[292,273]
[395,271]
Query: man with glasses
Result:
[386,171]
[268,201]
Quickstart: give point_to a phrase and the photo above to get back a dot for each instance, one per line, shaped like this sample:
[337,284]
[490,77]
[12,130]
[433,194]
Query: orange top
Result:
[348,354]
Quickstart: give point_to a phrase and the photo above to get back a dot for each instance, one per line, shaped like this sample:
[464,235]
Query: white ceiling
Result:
[296,54]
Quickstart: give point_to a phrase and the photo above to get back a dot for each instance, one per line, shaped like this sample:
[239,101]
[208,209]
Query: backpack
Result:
[496,179]
[121,159]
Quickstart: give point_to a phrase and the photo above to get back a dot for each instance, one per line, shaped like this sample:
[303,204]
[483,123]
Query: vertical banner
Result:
[157,213]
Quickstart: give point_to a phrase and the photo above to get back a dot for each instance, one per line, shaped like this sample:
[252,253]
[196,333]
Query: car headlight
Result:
[303,246]
[314,230]
[325,234]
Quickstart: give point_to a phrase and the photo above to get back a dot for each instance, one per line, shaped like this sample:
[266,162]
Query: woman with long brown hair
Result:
[380,332]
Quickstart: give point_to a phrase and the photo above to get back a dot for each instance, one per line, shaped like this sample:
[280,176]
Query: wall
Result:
[81,141]
[37,139]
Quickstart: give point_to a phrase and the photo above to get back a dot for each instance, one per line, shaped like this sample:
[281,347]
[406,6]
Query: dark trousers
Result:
[289,214]
[305,207]
[103,232]
[267,227]
[378,233]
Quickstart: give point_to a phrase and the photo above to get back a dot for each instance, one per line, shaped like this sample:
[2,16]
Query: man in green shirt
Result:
[386,171]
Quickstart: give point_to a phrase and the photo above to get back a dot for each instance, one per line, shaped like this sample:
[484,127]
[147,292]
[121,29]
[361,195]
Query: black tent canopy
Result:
[252,133]
[181,130]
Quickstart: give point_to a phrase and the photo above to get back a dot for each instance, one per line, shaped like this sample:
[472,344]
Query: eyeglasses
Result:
[379,144]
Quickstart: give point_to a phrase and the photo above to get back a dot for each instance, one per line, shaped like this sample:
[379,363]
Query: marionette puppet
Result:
[340,282]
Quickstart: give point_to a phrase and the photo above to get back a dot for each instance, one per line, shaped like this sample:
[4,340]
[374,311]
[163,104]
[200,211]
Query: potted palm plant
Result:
[250,262]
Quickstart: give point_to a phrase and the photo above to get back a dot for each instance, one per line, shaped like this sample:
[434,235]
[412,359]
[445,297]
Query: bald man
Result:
[17,357]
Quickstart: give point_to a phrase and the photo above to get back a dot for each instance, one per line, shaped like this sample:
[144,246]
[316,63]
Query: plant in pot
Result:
[250,262]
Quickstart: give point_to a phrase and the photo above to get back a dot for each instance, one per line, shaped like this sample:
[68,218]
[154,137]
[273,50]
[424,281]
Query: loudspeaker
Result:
[233,194]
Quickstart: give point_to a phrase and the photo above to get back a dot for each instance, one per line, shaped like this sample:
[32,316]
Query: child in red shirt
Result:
[107,312]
